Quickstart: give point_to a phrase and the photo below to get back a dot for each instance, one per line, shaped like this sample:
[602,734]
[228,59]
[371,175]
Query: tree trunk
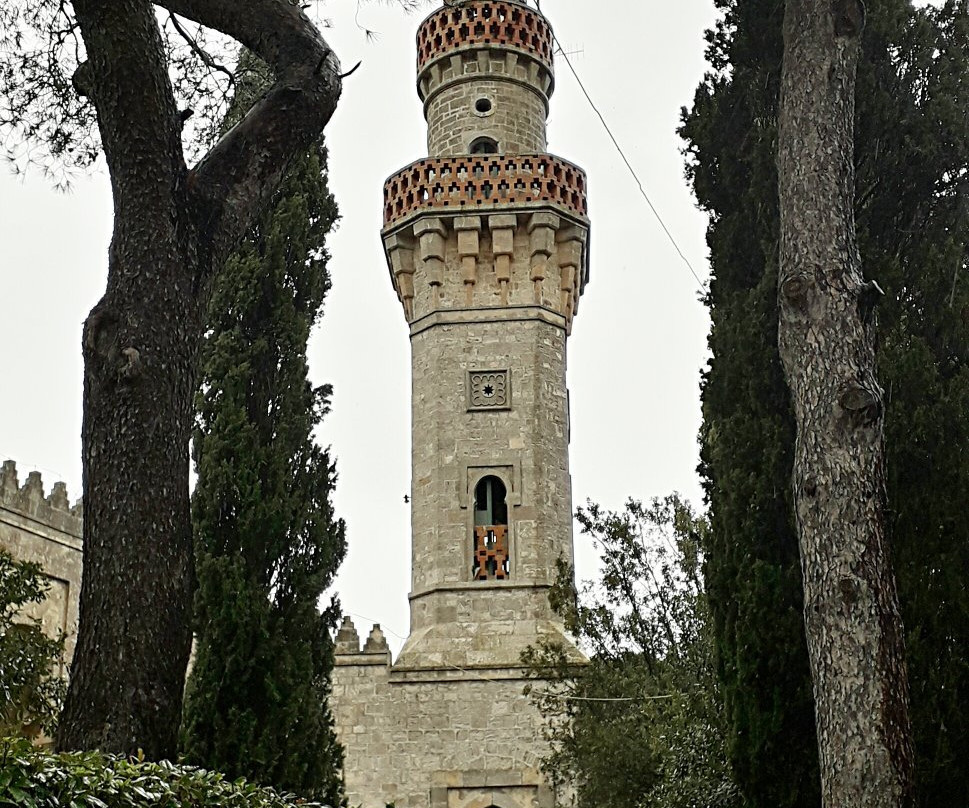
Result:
[827,345]
[173,228]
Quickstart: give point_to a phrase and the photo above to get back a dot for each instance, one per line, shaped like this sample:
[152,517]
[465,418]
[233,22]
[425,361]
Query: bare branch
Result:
[199,51]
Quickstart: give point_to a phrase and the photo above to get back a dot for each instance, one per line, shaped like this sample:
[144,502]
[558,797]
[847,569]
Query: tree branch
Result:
[204,55]
[123,39]
[237,177]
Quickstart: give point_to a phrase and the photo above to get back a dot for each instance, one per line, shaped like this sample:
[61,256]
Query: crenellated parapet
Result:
[347,650]
[490,259]
[54,510]
[47,530]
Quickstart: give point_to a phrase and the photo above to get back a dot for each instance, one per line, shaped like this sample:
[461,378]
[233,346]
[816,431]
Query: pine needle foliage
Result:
[912,209]
[268,544]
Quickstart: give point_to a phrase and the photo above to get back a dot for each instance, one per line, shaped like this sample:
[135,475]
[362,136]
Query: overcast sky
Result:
[639,339]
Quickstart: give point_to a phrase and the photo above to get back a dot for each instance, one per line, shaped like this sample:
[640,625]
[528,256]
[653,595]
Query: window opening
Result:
[490,531]
[484,145]
[483,106]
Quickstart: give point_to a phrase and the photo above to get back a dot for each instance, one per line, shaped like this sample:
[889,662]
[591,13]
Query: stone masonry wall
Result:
[434,741]
[454,446]
[47,531]
[515,118]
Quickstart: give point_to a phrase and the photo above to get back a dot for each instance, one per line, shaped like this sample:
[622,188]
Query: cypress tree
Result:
[911,154]
[267,542]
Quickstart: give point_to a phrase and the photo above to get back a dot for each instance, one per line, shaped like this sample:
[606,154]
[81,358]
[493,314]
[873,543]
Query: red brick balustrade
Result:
[456,184]
[484,23]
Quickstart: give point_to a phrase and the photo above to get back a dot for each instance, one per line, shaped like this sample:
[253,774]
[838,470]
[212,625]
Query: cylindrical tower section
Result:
[485,77]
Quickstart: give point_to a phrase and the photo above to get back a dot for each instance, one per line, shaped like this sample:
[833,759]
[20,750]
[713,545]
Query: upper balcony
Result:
[474,183]
[478,23]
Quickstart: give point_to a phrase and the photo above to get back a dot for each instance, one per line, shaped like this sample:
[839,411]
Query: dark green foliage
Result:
[267,542]
[31,688]
[32,778]
[752,574]
[640,725]
[911,157]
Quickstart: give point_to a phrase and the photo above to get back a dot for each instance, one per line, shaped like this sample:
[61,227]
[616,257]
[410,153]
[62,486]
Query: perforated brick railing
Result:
[484,23]
[461,183]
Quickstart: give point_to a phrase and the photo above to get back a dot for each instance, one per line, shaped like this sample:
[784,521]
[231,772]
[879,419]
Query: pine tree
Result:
[267,542]
[911,154]
[826,338]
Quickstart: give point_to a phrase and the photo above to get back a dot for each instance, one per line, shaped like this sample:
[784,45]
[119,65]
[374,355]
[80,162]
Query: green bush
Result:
[34,778]
[31,691]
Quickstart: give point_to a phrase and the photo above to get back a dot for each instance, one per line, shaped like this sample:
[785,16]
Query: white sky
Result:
[639,340]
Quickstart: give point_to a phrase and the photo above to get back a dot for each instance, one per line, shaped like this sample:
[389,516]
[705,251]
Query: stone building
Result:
[486,242]
[45,530]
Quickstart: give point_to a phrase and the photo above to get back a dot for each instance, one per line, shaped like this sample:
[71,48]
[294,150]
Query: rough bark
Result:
[173,228]
[827,345]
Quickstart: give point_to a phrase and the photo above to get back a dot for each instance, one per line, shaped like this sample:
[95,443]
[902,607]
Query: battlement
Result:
[45,530]
[347,651]
[54,510]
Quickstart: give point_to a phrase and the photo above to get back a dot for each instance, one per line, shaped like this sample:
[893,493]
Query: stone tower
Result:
[486,241]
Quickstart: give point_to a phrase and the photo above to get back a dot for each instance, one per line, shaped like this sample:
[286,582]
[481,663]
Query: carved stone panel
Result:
[489,390]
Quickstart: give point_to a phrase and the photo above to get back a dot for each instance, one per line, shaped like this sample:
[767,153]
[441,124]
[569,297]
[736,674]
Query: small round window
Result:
[484,106]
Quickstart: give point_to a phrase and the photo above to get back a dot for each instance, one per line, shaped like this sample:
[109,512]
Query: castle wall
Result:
[46,531]
[435,740]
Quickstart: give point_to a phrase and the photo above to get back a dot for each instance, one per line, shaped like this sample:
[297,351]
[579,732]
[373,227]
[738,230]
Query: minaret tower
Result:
[487,245]
[486,240]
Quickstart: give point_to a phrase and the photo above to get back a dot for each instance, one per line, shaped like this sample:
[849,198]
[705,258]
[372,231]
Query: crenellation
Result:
[54,511]
[46,530]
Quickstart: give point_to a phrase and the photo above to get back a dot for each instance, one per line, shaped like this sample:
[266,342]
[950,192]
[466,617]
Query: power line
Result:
[625,159]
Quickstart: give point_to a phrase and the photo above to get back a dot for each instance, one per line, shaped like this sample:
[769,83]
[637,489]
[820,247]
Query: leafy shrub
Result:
[31,691]
[34,778]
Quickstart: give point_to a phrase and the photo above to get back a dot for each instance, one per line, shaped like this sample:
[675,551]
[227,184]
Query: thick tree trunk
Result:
[173,228]
[139,348]
[827,344]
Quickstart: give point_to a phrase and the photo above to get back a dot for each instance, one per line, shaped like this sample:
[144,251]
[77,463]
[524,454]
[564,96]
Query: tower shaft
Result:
[487,245]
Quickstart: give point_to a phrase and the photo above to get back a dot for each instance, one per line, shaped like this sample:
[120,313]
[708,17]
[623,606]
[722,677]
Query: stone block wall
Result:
[513,116]
[45,530]
[455,445]
[434,739]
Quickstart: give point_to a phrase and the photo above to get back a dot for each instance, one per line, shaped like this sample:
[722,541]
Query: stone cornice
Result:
[474,316]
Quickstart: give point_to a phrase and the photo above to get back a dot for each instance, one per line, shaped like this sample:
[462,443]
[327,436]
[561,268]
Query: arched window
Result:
[489,502]
[490,531]
[484,145]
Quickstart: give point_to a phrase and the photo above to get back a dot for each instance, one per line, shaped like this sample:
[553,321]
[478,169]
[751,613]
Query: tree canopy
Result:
[641,724]
[267,542]
[31,684]
[88,77]
[910,165]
